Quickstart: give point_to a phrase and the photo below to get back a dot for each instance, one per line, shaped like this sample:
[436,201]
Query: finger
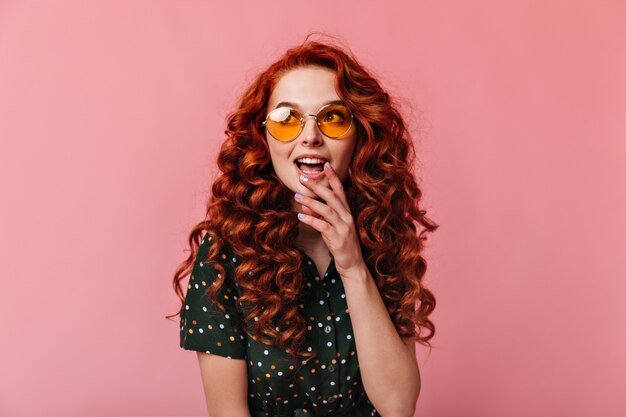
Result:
[320,225]
[328,195]
[306,210]
[336,185]
[319,208]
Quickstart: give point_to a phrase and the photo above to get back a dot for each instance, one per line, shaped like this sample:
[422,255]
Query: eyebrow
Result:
[294,105]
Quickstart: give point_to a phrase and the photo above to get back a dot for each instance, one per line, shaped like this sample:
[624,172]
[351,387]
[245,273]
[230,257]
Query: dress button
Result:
[331,399]
[328,329]
[331,368]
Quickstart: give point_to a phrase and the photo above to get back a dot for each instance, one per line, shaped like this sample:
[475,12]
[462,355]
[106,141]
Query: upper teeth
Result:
[310,161]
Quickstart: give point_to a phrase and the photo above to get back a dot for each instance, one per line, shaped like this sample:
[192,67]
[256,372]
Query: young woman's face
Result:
[308,89]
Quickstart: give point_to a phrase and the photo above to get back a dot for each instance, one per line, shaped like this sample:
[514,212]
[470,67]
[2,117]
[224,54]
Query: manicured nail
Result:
[327,165]
[303,178]
[301,215]
[299,196]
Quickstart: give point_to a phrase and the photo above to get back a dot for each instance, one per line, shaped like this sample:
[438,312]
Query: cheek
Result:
[344,160]
[279,156]
[273,151]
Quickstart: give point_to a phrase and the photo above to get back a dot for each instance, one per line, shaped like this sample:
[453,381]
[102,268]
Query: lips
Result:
[315,176]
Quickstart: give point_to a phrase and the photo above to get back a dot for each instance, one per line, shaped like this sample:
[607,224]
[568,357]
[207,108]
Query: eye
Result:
[284,115]
[334,116]
[289,119]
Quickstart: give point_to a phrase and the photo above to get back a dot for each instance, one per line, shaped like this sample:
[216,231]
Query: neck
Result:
[309,239]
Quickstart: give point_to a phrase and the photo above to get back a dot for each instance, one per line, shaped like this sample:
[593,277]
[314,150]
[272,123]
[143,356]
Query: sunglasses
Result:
[285,124]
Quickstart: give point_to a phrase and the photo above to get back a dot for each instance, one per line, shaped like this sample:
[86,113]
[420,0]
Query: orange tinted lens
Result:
[334,120]
[283,123]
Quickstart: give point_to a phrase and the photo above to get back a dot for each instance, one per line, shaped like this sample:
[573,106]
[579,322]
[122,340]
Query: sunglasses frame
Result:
[264,123]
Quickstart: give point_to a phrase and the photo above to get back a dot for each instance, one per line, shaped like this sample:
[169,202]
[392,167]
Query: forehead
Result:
[308,88]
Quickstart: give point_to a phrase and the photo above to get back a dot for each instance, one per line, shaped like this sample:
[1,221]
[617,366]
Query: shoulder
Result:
[211,320]
[226,255]
[208,243]
[206,263]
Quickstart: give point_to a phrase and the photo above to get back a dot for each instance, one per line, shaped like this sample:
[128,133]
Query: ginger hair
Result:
[249,209]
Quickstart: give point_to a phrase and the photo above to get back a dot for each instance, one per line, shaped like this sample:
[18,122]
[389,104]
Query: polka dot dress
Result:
[329,385]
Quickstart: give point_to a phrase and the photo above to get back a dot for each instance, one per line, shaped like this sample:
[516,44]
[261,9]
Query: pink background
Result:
[111,114]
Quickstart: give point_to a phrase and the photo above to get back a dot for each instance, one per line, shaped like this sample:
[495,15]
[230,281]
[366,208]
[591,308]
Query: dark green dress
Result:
[329,385]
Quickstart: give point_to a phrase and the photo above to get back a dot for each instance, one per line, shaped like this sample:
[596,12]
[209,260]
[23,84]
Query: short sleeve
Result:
[203,327]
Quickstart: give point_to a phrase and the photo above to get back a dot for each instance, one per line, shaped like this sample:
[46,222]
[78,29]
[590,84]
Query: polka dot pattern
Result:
[329,385]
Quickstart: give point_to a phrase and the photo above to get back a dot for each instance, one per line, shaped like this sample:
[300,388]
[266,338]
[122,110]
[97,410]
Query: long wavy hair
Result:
[249,209]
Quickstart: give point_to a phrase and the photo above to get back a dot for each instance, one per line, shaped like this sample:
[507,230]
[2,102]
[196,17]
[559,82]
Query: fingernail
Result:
[299,196]
[327,165]
[303,178]
[301,215]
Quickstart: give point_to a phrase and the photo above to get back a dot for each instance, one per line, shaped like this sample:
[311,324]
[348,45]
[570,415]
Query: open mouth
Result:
[310,168]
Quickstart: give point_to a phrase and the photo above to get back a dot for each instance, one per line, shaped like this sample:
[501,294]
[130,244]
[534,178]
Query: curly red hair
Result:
[249,209]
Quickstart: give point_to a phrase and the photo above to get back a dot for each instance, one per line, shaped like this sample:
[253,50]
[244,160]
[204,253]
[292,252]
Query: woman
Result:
[308,252]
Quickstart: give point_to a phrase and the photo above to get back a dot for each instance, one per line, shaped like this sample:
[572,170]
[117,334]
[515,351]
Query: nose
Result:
[310,130]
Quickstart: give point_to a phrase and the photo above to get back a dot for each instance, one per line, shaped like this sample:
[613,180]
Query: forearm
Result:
[388,367]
